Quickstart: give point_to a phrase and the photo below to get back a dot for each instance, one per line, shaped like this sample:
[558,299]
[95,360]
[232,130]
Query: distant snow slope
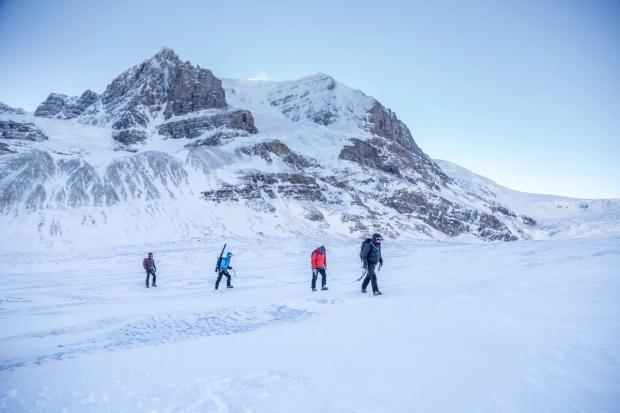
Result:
[563,216]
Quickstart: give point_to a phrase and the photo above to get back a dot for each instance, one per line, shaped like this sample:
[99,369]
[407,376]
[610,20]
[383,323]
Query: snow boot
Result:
[153,285]
[229,286]
[363,291]
[314,289]
[324,288]
[377,293]
[147,286]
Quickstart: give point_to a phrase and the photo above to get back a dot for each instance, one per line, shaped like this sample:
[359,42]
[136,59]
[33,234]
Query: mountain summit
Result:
[169,151]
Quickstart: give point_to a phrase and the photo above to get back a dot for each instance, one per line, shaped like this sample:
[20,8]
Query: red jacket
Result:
[319,259]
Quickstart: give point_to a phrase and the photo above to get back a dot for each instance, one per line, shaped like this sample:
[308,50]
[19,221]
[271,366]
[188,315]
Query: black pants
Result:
[371,277]
[323,277]
[150,271]
[219,278]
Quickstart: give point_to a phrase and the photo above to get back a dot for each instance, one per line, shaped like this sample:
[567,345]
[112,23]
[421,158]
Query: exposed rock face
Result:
[194,127]
[21,131]
[448,217]
[22,179]
[162,81]
[140,176]
[5,149]
[491,229]
[4,108]
[383,122]
[277,148]
[145,176]
[52,106]
[64,107]
[128,137]
[83,186]
[503,210]
[218,138]
[391,157]
[74,107]
[528,221]
[257,185]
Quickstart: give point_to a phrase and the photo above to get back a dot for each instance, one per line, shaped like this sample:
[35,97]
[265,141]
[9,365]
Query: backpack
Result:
[364,243]
[219,259]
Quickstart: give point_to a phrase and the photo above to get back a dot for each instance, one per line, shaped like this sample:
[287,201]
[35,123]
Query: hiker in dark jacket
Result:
[318,260]
[371,256]
[149,266]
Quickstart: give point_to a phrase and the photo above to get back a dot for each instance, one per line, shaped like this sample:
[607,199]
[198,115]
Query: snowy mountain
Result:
[169,151]
[554,215]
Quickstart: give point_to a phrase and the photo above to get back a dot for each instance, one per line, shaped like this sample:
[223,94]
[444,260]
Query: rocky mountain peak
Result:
[58,105]
[4,108]
[163,84]
[166,54]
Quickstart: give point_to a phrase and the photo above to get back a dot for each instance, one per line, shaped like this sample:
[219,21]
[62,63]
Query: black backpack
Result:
[366,241]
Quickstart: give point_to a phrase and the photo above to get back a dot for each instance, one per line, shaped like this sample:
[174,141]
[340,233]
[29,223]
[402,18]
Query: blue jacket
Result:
[225,263]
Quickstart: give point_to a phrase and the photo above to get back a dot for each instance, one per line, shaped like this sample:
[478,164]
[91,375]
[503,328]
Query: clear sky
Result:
[526,92]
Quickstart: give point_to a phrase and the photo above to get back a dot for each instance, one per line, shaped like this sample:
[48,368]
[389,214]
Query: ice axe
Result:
[363,275]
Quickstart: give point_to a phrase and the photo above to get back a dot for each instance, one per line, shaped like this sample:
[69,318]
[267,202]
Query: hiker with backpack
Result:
[149,266]
[318,259]
[371,256]
[223,267]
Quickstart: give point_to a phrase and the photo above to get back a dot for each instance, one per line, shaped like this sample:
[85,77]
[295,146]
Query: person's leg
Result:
[154,283]
[147,278]
[323,277]
[219,278]
[227,274]
[314,280]
[373,278]
[366,280]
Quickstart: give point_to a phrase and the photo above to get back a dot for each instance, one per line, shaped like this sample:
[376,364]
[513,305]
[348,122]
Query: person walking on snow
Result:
[319,265]
[224,267]
[150,268]
[371,256]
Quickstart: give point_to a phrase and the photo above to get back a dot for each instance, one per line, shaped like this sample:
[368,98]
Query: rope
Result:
[331,277]
[274,279]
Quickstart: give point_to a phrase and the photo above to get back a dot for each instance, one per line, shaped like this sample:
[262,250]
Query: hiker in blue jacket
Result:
[224,267]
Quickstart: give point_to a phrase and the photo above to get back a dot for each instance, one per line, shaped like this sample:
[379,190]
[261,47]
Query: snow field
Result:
[511,327]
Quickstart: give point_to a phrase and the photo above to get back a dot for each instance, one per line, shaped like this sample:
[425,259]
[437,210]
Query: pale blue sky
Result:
[525,92]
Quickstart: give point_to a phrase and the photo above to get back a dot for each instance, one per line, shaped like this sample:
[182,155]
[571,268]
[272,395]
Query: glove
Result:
[230,268]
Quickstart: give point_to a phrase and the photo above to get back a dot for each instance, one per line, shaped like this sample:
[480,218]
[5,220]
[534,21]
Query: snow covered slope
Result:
[529,326]
[170,152]
[556,215]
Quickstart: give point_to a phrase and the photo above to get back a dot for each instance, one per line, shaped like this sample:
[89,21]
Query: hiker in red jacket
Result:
[149,267]
[319,264]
